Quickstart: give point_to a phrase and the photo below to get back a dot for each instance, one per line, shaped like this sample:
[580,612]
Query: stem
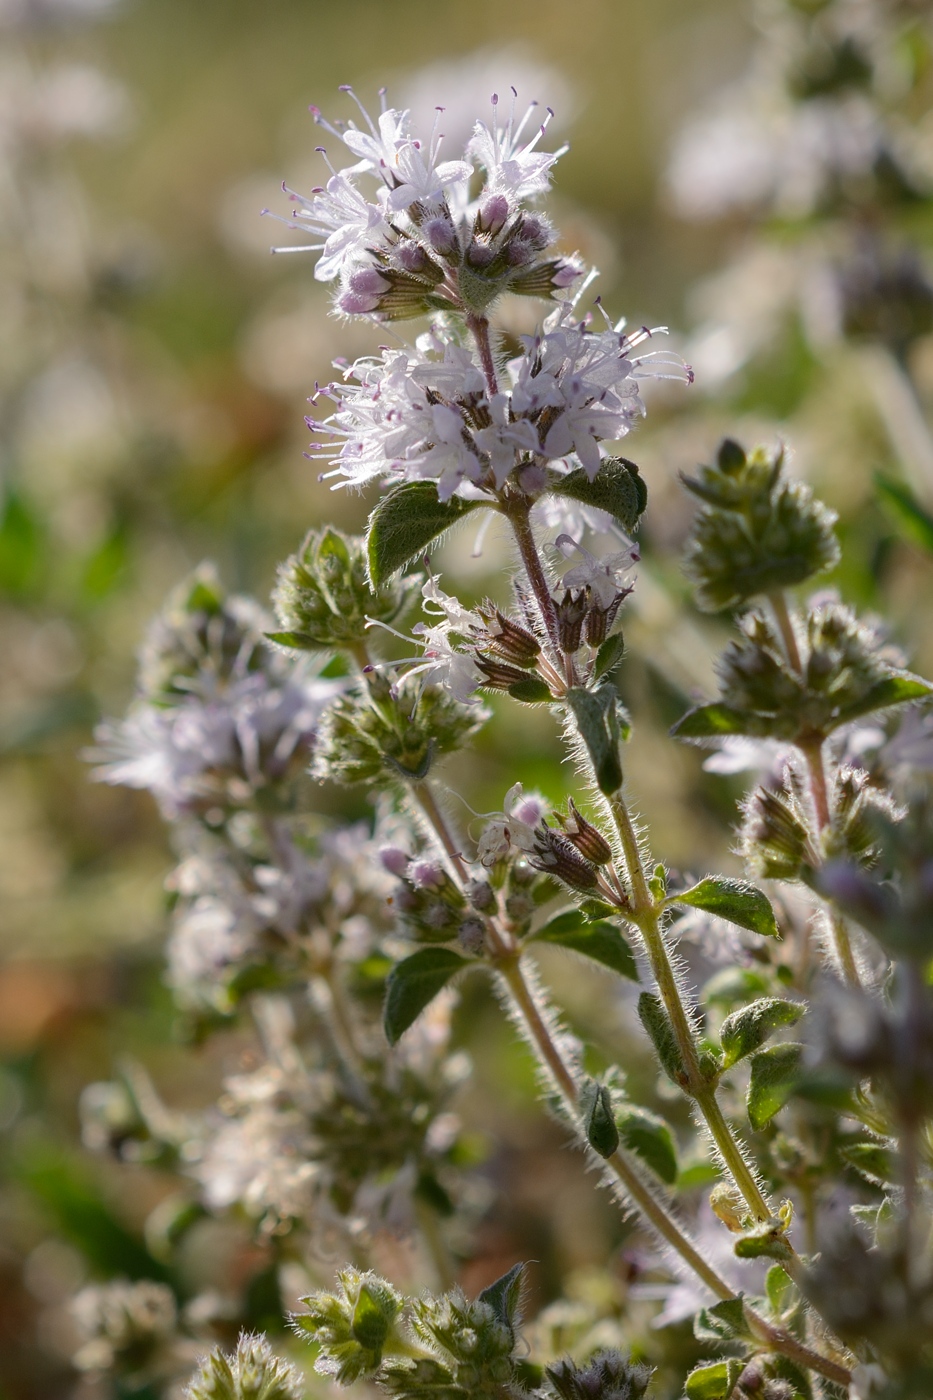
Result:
[479,328]
[789,637]
[428,804]
[646,916]
[518,511]
[652,1206]
[813,754]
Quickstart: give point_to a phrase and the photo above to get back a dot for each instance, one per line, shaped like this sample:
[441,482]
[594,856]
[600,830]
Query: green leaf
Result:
[774,1075]
[505,1296]
[872,1160]
[723,1322]
[617,487]
[780,1291]
[733,985]
[644,1133]
[298,641]
[914,521]
[893,690]
[532,691]
[609,655]
[371,1325]
[598,1121]
[596,713]
[763,1242]
[600,941]
[656,1022]
[710,721]
[405,522]
[413,983]
[736,900]
[749,1027]
[716,1381]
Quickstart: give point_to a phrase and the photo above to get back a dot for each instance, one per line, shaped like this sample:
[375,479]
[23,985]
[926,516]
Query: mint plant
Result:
[346,945]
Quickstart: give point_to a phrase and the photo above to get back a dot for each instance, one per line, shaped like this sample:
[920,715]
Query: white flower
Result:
[514,828]
[512,169]
[606,578]
[340,216]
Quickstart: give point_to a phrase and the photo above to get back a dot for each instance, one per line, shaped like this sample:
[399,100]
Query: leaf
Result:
[600,941]
[609,655]
[893,690]
[780,1291]
[763,1242]
[872,1160]
[735,900]
[646,1134]
[370,1324]
[405,522]
[298,641]
[733,985]
[749,1027]
[505,1296]
[617,487]
[598,1121]
[656,1022]
[413,983]
[914,521]
[723,1322]
[774,1075]
[597,718]
[710,721]
[532,691]
[716,1381]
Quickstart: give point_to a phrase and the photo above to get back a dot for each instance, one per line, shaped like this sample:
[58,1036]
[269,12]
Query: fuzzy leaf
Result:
[723,1322]
[736,900]
[405,522]
[748,1028]
[715,1381]
[532,691]
[710,721]
[763,1242]
[370,1325]
[597,717]
[893,690]
[617,487]
[872,1160]
[780,1290]
[599,941]
[298,641]
[609,655]
[598,1121]
[773,1077]
[644,1133]
[414,983]
[504,1296]
[656,1022]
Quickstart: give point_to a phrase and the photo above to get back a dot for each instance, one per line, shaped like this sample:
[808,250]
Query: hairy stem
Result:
[479,329]
[649,1201]
[646,915]
[786,627]
[517,511]
[819,791]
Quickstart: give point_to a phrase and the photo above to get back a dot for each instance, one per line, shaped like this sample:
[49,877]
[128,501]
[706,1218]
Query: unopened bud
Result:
[497,675]
[727,1206]
[481,895]
[492,214]
[556,855]
[589,841]
[472,935]
[596,625]
[512,642]
[441,235]
[394,860]
[479,254]
[570,614]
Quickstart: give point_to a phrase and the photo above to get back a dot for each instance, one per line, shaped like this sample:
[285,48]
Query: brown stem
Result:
[788,635]
[479,329]
[517,510]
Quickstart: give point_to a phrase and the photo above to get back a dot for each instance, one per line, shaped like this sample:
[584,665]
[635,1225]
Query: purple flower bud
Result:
[535,232]
[472,935]
[355,304]
[518,252]
[394,860]
[411,257]
[479,255]
[566,272]
[441,235]
[367,282]
[492,214]
[426,874]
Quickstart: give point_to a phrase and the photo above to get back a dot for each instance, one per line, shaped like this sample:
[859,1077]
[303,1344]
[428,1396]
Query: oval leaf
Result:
[609,655]
[736,900]
[709,722]
[716,1381]
[893,690]
[657,1023]
[599,1123]
[748,1028]
[773,1078]
[644,1133]
[617,487]
[413,983]
[596,713]
[405,522]
[600,941]
[505,1296]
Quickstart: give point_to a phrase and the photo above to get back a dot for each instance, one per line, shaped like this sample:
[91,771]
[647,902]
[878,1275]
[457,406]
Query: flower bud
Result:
[493,213]
[556,855]
[513,643]
[394,860]
[472,935]
[441,235]
[589,841]
[497,675]
[323,598]
[481,895]
[571,611]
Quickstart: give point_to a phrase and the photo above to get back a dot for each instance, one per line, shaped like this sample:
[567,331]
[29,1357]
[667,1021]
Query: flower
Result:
[605,578]
[514,828]
[514,170]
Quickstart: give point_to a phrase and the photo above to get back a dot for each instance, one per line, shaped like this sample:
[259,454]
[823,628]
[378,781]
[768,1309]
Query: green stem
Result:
[651,1204]
[789,637]
[813,755]
[646,915]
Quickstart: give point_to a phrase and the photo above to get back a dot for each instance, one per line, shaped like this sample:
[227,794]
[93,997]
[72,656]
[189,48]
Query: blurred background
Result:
[156,362]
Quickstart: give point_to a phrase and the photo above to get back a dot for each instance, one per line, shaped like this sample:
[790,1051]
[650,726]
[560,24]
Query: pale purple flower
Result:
[514,169]
[606,578]
[512,829]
